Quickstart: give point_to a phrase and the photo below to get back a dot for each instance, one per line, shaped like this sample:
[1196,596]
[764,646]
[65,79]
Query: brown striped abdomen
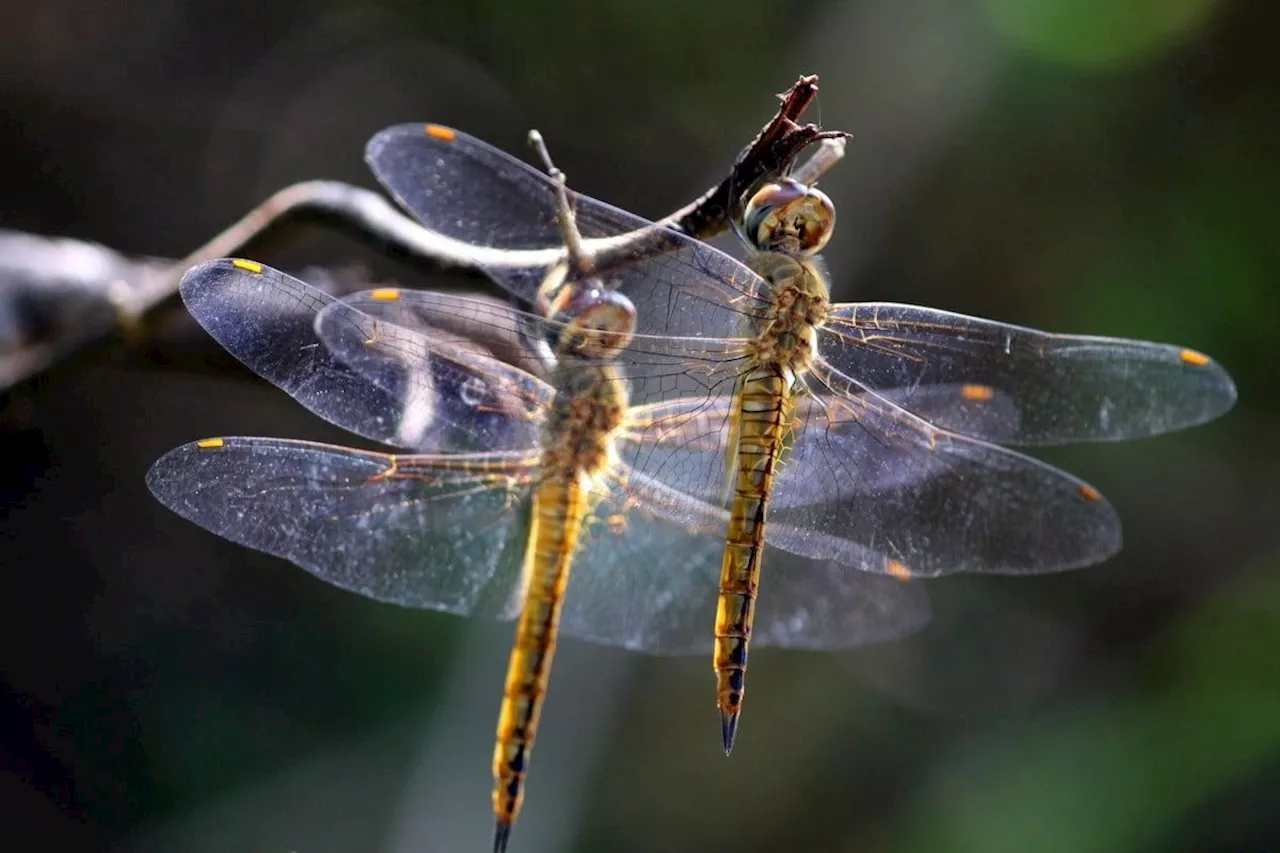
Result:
[763,410]
[558,512]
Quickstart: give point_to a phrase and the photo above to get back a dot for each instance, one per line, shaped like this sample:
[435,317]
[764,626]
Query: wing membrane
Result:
[502,213]
[955,504]
[266,319]
[449,534]
[395,339]
[440,382]
[683,444]
[647,584]
[445,533]
[1064,388]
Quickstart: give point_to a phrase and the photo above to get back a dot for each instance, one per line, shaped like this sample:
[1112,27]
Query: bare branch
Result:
[58,295]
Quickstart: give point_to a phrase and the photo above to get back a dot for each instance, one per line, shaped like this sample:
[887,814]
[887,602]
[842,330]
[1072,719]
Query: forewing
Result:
[684,444]
[266,319]
[409,346]
[1064,388]
[501,213]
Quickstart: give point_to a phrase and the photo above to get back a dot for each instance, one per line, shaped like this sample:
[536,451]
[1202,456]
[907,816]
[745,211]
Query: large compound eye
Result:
[789,217]
[598,323]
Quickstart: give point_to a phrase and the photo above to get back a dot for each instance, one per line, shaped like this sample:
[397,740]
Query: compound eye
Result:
[789,217]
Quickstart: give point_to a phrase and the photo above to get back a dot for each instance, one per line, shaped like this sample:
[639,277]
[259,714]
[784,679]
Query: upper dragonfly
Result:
[768,339]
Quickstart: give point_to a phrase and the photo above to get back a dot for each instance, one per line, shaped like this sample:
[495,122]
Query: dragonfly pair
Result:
[636,429]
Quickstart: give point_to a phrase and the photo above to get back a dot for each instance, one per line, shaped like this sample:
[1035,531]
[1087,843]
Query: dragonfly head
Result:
[789,217]
[595,322]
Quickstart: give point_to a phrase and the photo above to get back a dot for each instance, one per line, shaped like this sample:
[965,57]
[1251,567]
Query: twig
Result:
[59,295]
[770,155]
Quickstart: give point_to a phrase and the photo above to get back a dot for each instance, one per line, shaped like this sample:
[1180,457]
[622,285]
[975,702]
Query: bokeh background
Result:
[1100,166]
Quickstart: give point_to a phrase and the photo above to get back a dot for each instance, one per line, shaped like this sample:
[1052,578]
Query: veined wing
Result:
[862,477]
[407,356]
[1064,388]
[443,532]
[449,533]
[266,318]
[863,447]
[683,443]
[386,336]
[648,573]
[390,337]
[955,504]
[502,212]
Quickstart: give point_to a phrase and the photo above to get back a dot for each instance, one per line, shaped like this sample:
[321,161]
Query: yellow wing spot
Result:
[1193,358]
[1089,493]
[248,266]
[439,131]
[899,570]
[385,294]
[617,524]
[209,443]
[977,393]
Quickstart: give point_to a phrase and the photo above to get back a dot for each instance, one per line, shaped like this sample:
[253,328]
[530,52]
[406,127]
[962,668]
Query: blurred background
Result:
[1093,166]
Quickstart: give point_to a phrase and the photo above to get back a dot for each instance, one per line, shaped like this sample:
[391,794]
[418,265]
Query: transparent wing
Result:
[954,504]
[502,213]
[417,359]
[266,318]
[394,338]
[390,338]
[684,443]
[1064,388]
[647,583]
[449,533]
[877,453]
[446,533]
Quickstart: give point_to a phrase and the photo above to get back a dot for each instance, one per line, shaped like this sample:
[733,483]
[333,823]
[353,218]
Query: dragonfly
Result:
[509,479]
[767,337]
[478,517]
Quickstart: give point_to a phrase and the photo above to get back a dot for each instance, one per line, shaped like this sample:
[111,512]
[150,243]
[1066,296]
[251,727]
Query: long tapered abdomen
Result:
[558,512]
[763,410]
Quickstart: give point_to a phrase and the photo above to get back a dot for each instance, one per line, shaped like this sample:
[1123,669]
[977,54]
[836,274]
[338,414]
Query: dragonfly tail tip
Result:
[501,833]
[729,727]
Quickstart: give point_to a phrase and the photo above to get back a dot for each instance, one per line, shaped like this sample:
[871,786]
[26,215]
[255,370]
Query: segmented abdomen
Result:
[559,509]
[763,409]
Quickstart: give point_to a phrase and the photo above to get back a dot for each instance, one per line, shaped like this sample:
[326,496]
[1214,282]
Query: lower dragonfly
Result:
[489,531]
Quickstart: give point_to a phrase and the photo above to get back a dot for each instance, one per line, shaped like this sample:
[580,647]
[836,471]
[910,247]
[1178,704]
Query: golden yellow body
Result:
[590,406]
[558,510]
[781,355]
[763,412]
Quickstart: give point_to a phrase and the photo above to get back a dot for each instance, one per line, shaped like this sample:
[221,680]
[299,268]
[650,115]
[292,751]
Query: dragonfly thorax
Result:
[798,306]
[588,413]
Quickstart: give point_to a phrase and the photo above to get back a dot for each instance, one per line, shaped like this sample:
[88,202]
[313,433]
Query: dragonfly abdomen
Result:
[560,505]
[763,409]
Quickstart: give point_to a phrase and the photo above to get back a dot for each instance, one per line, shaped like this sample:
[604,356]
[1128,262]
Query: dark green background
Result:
[1099,166]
